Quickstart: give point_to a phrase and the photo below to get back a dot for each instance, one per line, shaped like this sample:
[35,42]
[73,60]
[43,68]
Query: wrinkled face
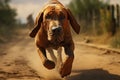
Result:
[54,17]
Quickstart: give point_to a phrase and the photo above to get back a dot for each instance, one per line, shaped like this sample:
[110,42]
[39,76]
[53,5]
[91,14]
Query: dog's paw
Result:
[66,67]
[49,64]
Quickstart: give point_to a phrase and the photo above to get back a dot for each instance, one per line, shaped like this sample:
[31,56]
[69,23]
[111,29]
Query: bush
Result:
[115,42]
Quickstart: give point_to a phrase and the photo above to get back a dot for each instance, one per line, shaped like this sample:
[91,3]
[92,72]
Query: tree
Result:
[7,14]
[84,8]
[7,20]
[88,12]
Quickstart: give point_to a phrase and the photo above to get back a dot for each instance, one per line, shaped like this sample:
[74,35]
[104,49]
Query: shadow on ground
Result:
[93,74]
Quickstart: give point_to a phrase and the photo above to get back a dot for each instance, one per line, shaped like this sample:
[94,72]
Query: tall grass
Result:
[115,41]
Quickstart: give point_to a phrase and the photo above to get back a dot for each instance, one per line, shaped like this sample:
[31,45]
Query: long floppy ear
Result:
[73,22]
[37,25]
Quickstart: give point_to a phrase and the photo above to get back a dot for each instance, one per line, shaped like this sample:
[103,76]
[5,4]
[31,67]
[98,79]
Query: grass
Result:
[115,41]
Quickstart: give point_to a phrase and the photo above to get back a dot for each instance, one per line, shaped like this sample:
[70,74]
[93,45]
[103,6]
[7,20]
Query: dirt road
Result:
[20,61]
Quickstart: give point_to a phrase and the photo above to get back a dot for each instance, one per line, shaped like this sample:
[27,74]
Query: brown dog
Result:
[52,31]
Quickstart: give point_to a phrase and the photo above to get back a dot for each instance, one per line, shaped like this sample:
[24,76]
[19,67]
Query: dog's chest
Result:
[56,45]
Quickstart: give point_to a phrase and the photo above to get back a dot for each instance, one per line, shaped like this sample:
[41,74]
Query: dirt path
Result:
[20,61]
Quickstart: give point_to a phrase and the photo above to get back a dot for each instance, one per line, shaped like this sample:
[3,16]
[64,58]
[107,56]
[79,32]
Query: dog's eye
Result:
[61,16]
[47,16]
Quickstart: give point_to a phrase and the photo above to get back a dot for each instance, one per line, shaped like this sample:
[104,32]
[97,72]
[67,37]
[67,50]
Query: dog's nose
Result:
[56,29]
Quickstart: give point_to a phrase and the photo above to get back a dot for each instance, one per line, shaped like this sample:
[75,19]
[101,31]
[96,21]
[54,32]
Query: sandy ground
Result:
[19,61]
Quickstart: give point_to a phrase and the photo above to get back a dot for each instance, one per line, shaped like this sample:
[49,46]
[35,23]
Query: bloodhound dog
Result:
[52,31]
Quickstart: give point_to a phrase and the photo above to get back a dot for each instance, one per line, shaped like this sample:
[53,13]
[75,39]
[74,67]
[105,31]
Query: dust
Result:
[22,62]
[35,63]
[30,54]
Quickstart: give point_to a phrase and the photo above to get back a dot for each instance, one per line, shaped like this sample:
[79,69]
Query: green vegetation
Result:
[7,14]
[98,19]
[115,42]
[8,22]
[88,13]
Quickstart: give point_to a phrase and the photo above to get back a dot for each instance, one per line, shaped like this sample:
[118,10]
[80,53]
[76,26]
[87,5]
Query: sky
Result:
[26,7]
[115,2]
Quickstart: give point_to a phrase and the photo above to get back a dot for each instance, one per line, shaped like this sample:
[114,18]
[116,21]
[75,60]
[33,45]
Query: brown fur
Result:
[41,32]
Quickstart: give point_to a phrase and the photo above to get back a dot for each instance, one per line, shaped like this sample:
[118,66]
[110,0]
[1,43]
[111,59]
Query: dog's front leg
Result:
[59,59]
[50,51]
[67,65]
[47,63]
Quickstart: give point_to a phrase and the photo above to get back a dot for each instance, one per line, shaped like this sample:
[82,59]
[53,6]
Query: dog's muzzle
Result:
[56,30]
[55,35]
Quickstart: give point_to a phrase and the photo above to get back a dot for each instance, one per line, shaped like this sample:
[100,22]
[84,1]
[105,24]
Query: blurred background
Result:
[99,19]
[100,25]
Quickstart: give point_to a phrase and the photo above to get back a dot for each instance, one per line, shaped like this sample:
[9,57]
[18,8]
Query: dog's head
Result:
[52,19]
